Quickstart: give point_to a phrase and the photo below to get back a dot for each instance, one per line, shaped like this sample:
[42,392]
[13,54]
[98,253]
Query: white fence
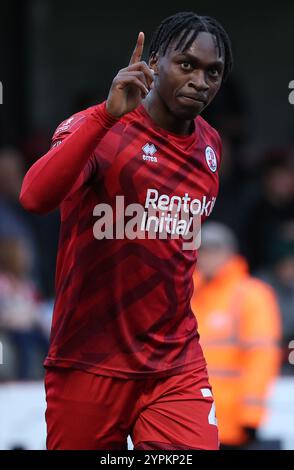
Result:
[22,408]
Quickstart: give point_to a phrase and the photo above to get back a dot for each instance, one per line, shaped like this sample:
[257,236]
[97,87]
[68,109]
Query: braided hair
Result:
[185,27]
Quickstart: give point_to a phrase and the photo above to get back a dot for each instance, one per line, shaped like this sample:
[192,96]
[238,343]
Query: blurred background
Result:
[57,58]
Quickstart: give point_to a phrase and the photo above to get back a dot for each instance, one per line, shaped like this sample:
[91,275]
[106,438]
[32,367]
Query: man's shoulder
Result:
[72,122]
[132,117]
[253,290]
[207,128]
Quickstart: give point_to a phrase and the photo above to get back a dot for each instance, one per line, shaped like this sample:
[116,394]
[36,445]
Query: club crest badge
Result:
[211,159]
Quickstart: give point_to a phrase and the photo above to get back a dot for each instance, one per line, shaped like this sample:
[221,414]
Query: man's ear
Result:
[153,63]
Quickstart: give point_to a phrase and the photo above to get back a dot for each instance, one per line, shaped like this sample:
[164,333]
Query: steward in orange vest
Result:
[239,326]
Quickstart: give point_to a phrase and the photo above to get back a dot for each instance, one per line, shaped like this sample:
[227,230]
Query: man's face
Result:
[188,81]
[211,259]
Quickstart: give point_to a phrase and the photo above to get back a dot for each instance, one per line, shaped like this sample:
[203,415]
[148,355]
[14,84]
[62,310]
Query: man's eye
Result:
[186,65]
[214,72]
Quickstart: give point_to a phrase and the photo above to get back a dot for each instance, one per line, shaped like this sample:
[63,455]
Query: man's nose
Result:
[198,80]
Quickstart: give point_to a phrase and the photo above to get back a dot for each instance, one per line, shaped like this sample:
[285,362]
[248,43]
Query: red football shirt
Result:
[123,305]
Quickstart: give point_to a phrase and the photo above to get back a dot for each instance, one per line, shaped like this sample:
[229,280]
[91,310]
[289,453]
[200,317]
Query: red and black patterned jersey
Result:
[123,291]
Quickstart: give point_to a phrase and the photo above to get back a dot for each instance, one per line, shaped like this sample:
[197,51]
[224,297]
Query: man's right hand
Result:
[131,85]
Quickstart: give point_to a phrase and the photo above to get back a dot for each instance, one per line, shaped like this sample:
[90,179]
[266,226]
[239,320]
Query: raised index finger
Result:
[138,51]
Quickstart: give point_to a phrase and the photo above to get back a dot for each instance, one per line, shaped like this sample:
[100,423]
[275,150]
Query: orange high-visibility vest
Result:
[239,326]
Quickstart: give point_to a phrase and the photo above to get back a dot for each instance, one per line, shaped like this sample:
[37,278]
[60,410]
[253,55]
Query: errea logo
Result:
[149,152]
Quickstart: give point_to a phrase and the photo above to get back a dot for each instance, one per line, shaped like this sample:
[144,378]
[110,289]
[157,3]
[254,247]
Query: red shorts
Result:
[91,412]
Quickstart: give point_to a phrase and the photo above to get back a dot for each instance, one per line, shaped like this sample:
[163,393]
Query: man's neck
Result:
[161,115]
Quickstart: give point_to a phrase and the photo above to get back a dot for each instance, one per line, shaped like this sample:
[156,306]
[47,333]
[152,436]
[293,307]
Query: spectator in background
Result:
[280,275]
[19,309]
[14,221]
[273,207]
[39,235]
[239,326]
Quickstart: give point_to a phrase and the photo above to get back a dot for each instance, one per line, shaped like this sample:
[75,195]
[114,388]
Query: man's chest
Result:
[150,165]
